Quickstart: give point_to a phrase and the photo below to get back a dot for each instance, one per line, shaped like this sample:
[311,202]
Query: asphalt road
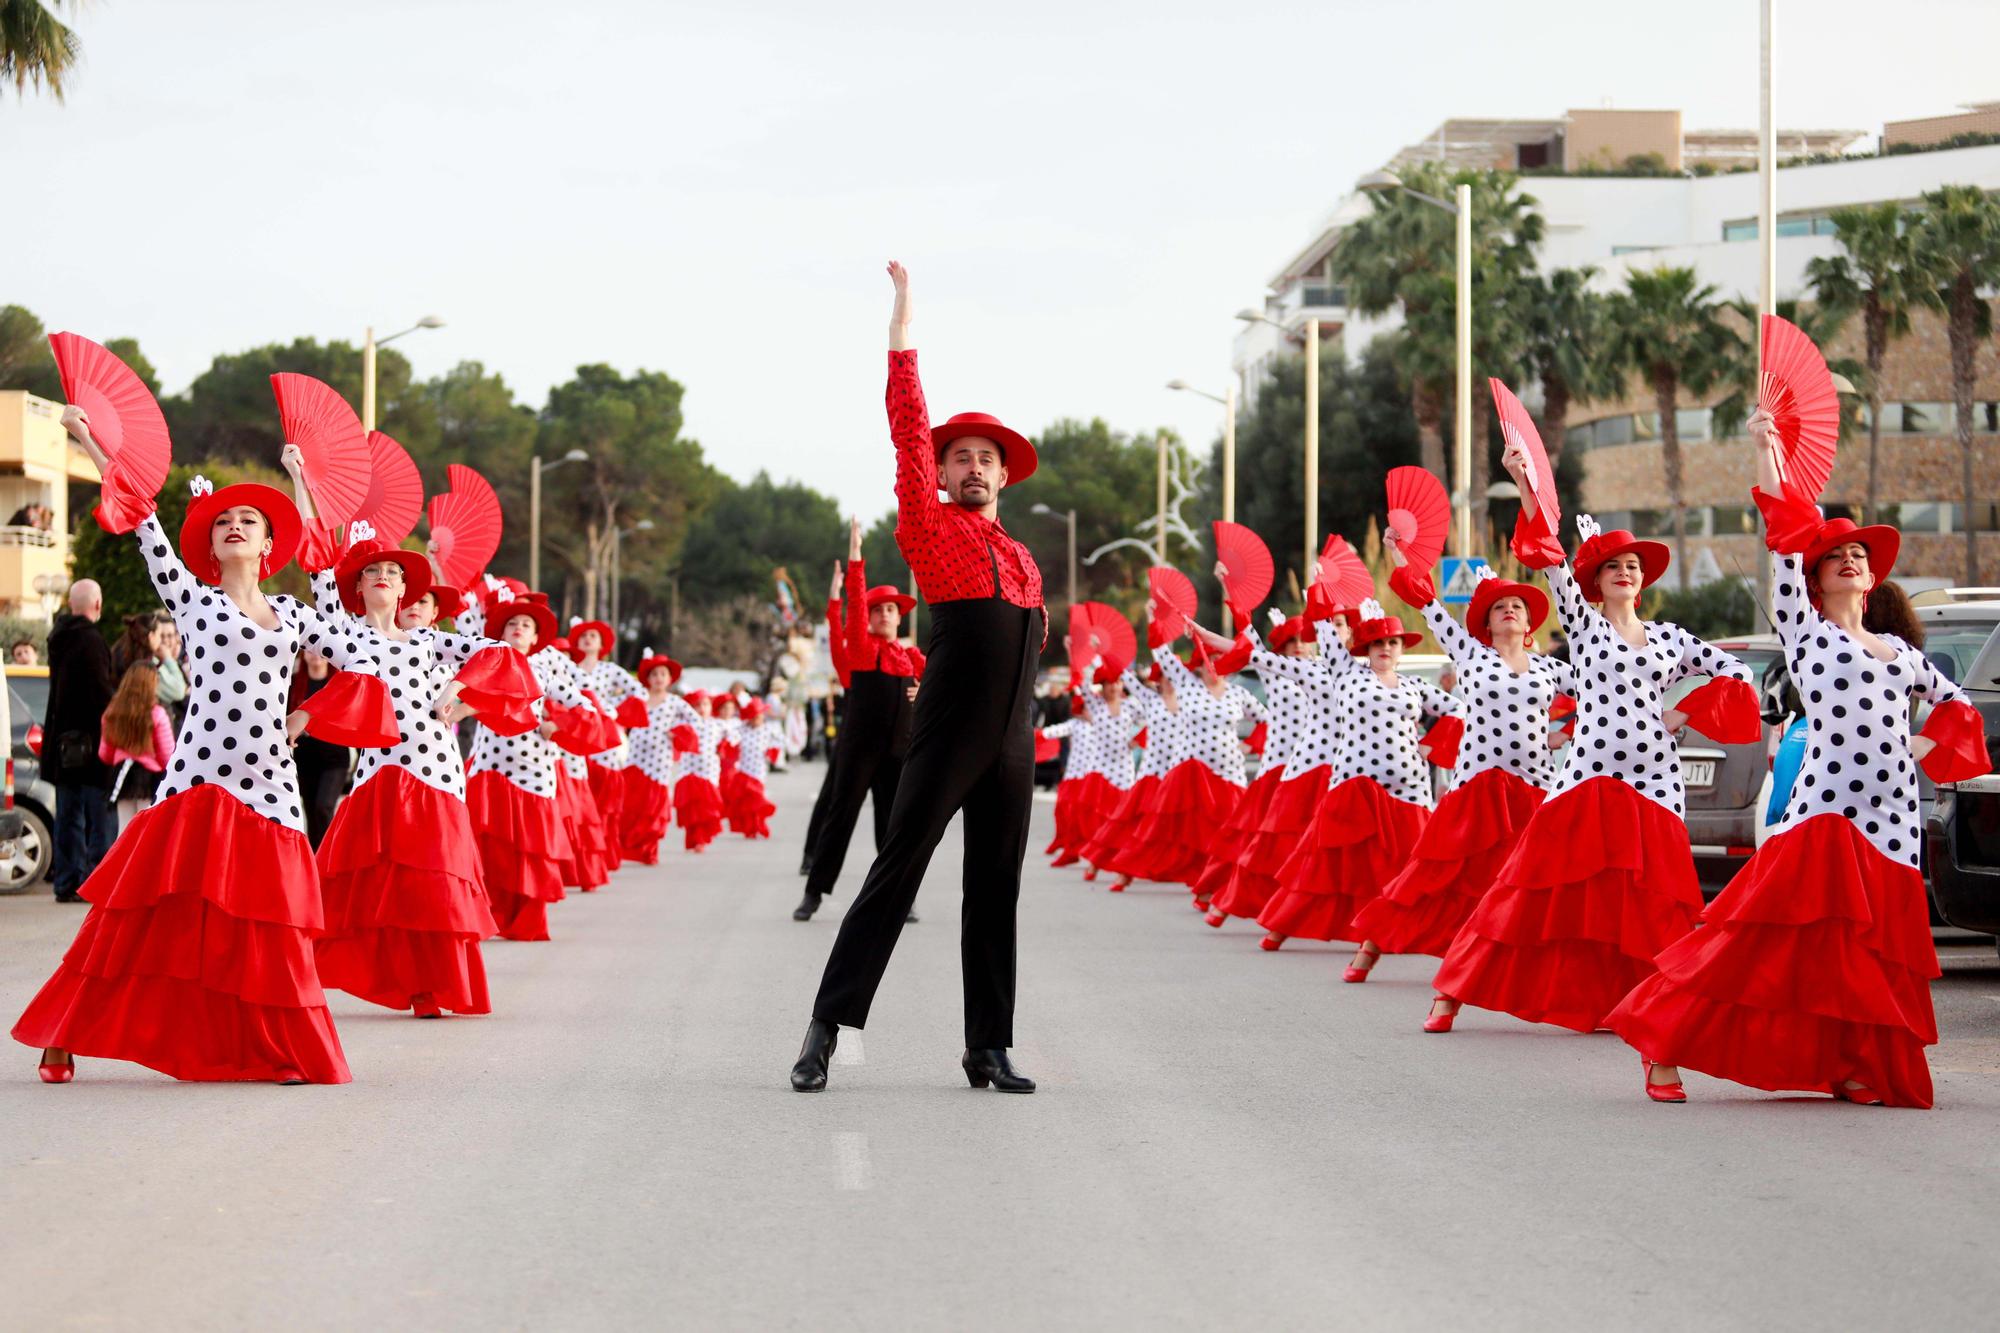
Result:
[1224,1138]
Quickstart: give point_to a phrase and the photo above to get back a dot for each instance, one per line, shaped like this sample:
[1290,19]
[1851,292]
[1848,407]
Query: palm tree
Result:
[1667,327]
[1564,347]
[1403,254]
[1876,274]
[36,47]
[1956,236]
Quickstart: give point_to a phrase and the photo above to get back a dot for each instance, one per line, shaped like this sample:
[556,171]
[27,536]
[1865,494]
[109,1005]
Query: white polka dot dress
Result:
[1208,721]
[1506,715]
[1108,737]
[1317,736]
[652,745]
[705,760]
[613,685]
[528,761]
[1384,722]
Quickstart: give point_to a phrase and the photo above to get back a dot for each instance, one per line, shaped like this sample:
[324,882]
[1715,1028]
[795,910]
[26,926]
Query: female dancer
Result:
[405,898]
[1114,845]
[1505,765]
[697,798]
[1099,770]
[1364,828]
[618,690]
[1202,790]
[511,790]
[196,958]
[649,781]
[1602,878]
[1812,970]
[748,808]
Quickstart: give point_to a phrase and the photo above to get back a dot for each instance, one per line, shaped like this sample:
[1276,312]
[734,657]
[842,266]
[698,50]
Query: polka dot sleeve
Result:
[175,585]
[335,640]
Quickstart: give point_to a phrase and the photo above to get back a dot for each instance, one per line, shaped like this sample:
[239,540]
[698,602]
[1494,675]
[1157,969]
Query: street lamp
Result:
[369,343]
[1070,515]
[1382,182]
[536,467]
[1312,432]
[1228,401]
[618,536]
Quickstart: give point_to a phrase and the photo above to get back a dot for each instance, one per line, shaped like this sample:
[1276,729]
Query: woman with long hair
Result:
[136,740]
[196,958]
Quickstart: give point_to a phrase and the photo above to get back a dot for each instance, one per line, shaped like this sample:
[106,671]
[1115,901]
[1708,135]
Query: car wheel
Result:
[34,850]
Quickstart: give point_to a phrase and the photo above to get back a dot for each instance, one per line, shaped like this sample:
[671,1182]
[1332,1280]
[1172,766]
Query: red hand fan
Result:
[125,420]
[1174,600]
[1419,512]
[1797,390]
[1097,630]
[1343,575]
[465,525]
[1248,561]
[395,490]
[1518,428]
[319,421]
[1046,747]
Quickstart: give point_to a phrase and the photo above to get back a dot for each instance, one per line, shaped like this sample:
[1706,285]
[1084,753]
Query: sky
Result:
[1084,192]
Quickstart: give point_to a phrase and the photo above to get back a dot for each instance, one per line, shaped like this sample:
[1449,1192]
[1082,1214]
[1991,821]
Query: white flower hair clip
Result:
[1372,609]
[359,531]
[1485,572]
[201,486]
[1587,527]
[1277,618]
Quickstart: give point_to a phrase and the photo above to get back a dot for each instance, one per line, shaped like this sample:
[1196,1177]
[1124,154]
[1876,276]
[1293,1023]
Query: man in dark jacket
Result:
[80,688]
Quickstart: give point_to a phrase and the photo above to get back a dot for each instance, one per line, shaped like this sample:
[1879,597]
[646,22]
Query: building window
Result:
[1692,425]
[1646,426]
[1740,231]
[1614,520]
[1920,419]
[1794,227]
[1612,431]
[1733,520]
[1916,516]
[1986,418]
[1576,439]
[1985,517]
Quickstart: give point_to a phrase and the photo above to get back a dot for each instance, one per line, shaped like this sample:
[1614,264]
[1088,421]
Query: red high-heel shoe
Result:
[1201,905]
[1118,885]
[1862,1095]
[1089,874]
[51,1072]
[1435,1022]
[1374,956]
[423,1006]
[1215,918]
[1271,942]
[1066,859]
[1662,1092]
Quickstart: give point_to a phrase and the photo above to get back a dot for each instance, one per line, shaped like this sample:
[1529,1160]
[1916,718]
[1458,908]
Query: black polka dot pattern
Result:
[1206,731]
[653,744]
[528,761]
[1506,715]
[1316,737]
[1101,740]
[1380,726]
[613,685]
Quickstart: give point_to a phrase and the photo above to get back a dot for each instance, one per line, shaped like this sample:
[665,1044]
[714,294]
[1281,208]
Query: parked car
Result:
[27,823]
[1962,819]
[1724,781]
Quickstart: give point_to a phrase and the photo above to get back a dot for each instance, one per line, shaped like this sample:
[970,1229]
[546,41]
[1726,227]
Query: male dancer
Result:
[972,743]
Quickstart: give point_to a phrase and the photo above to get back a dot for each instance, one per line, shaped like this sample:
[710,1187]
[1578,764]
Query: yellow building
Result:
[38,464]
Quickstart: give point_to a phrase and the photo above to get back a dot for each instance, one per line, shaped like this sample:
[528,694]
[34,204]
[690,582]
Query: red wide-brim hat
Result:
[887,592]
[1105,675]
[1374,631]
[696,697]
[451,601]
[416,573]
[1883,543]
[1489,591]
[647,665]
[1590,557]
[545,620]
[606,641]
[280,515]
[1017,449]
[1297,627]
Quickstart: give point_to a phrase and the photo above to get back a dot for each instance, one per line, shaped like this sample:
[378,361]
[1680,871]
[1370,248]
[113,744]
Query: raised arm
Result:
[910,428]
[859,653]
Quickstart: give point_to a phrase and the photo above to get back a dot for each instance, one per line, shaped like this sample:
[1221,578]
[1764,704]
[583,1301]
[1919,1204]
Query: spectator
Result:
[80,688]
[137,740]
[1887,610]
[322,767]
[27,516]
[139,643]
[22,653]
[173,679]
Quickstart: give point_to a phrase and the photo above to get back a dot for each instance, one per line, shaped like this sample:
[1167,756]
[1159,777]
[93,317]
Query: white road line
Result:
[850,1161]
[849,1051]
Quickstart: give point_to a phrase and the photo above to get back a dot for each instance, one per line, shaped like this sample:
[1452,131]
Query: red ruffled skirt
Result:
[196,958]
[1168,842]
[698,808]
[1601,880]
[404,898]
[590,861]
[1455,861]
[1235,834]
[1263,853]
[1359,839]
[1065,844]
[607,787]
[749,810]
[522,846]
[649,809]
[1091,801]
[1813,967]
[1119,827]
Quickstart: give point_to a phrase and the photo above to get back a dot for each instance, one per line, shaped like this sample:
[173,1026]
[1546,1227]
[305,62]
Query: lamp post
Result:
[1160,490]
[536,467]
[1376,182]
[1312,432]
[1228,400]
[369,342]
[1069,516]
[618,536]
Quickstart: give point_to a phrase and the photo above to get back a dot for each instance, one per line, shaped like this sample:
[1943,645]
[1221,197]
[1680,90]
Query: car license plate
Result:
[1698,772]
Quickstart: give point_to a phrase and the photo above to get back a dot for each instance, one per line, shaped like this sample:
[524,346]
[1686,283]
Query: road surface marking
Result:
[850,1161]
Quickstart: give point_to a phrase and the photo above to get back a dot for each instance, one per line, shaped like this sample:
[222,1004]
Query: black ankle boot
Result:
[991,1066]
[809,1074]
[807,906]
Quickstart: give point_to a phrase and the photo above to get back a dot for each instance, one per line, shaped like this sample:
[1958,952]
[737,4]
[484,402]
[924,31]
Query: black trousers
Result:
[867,762]
[972,749]
[821,804]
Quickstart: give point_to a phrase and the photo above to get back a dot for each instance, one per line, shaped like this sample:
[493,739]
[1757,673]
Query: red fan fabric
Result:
[1518,428]
[353,709]
[1358,840]
[196,958]
[1174,601]
[1343,576]
[1725,710]
[1796,388]
[319,421]
[1600,881]
[404,898]
[395,499]
[522,845]
[1462,847]
[1420,513]
[1248,560]
[126,422]
[1813,967]
[1097,630]
[465,526]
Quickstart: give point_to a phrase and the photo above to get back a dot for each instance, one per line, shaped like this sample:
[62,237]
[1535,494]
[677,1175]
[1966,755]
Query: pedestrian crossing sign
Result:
[1461,576]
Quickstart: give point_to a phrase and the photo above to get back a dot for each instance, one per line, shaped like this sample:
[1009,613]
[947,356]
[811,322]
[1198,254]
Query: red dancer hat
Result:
[1297,628]
[1490,589]
[652,660]
[1599,546]
[1883,543]
[1016,450]
[280,515]
[1107,674]
[887,592]
[605,639]
[1153,673]
[696,697]
[537,611]
[364,548]
[1375,626]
